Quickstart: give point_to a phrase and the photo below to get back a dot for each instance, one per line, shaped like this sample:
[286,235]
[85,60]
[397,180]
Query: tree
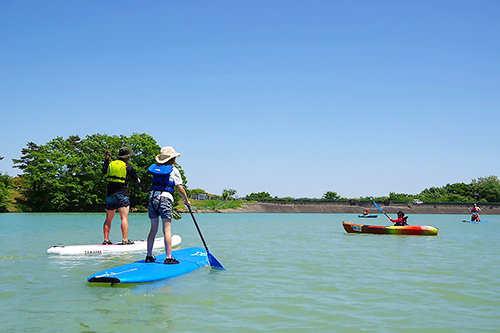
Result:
[4,193]
[192,193]
[228,194]
[259,195]
[330,195]
[486,189]
[5,185]
[433,194]
[66,174]
[460,189]
[399,196]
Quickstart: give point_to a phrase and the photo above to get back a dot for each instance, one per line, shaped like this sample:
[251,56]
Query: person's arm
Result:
[106,162]
[133,176]
[400,219]
[184,195]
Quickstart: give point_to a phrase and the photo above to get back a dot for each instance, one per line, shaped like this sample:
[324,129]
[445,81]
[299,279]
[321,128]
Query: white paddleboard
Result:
[97,249]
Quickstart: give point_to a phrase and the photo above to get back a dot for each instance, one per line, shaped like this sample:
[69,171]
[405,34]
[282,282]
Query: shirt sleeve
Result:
[105,166]
[176,176]
[132,174]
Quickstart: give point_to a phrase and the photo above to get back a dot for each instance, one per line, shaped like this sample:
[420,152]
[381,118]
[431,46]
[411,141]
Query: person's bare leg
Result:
[124,217]
[167,233]
[152,235]
[106,228]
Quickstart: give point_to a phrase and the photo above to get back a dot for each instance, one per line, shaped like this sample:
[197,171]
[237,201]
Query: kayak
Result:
[468,221]
[423,230]
[368,216]
[140,271]
[97,249]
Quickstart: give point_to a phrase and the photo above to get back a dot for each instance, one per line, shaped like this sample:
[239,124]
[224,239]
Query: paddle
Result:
[404,219]
[380,209]
[211,259]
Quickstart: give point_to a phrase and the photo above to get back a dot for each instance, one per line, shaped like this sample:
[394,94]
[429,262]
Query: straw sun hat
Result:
[166,154]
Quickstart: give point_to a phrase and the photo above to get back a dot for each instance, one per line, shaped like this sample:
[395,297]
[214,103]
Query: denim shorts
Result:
[160,207]
[116,201]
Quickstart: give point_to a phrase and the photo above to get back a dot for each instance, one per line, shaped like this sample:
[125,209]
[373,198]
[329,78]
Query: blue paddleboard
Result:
[138,272]
[467,221]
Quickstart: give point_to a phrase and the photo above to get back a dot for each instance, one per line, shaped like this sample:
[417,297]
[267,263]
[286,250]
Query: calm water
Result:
[285,273]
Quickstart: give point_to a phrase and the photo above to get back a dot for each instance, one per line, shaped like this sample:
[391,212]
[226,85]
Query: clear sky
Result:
[291,97]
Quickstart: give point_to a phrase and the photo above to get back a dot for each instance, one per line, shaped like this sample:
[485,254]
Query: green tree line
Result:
[482,189]
[66,174]
[5,185]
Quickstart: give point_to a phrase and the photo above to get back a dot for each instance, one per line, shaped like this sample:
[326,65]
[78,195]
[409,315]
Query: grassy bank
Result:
[210,205]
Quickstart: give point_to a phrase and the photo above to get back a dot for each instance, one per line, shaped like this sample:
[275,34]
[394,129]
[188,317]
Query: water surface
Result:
[285,273]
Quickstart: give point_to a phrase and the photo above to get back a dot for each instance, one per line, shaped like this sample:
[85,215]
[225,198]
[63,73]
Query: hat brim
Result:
[166,158]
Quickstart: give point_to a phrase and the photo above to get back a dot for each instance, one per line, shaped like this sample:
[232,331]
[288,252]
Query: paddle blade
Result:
[214,262]
[378,207]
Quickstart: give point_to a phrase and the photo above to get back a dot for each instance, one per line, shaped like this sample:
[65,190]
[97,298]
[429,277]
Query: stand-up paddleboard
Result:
[96,249]
[468,221]
[189,259]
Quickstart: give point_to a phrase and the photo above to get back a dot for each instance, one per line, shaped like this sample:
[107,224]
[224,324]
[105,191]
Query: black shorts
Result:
[116,201]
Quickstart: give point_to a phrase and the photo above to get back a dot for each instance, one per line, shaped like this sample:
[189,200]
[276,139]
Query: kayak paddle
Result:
[380,209]
[214,263]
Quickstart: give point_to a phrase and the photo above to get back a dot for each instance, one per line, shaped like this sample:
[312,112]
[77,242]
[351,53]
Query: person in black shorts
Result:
[118,172]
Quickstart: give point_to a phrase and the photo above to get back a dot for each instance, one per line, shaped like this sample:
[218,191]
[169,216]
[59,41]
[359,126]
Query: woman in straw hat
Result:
[166,177]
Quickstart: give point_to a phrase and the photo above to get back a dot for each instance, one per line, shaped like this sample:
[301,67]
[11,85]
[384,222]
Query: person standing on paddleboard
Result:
[475,213]
[118,173]
[166,177]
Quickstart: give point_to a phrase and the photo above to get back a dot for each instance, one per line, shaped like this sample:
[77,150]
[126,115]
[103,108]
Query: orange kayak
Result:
[422,230]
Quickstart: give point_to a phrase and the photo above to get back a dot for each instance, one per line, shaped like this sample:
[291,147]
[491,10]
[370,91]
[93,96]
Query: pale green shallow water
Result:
[285,273]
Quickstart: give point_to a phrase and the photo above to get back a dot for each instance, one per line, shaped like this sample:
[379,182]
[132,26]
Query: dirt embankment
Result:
[338,208]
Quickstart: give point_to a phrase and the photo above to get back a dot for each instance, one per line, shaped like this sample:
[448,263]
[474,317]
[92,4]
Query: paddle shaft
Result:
[198,228]
[380,209]
[214,263]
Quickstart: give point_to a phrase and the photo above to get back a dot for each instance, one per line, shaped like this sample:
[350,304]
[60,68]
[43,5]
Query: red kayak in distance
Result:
[419,230]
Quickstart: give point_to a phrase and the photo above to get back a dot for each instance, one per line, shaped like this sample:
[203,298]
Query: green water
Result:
[285,273]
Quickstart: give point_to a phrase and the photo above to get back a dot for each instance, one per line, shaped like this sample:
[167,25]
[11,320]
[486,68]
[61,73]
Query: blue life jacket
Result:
[161,178]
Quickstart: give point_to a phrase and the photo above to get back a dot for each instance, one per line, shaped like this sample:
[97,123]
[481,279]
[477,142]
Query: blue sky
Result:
[295,98]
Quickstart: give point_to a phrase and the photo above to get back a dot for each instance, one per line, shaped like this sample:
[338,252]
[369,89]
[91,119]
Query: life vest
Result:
[400,221]
[161,178]
[474,210]
[117,172]
[405,219]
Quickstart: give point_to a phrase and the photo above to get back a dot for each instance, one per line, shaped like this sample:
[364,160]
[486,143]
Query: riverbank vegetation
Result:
[65,175]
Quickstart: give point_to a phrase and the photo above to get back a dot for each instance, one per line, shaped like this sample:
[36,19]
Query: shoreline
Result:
[345,208]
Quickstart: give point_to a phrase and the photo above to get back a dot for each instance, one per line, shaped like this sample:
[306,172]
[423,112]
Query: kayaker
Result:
[117,198]
[366,212]
[475,213]
[401,220]
[166,177]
